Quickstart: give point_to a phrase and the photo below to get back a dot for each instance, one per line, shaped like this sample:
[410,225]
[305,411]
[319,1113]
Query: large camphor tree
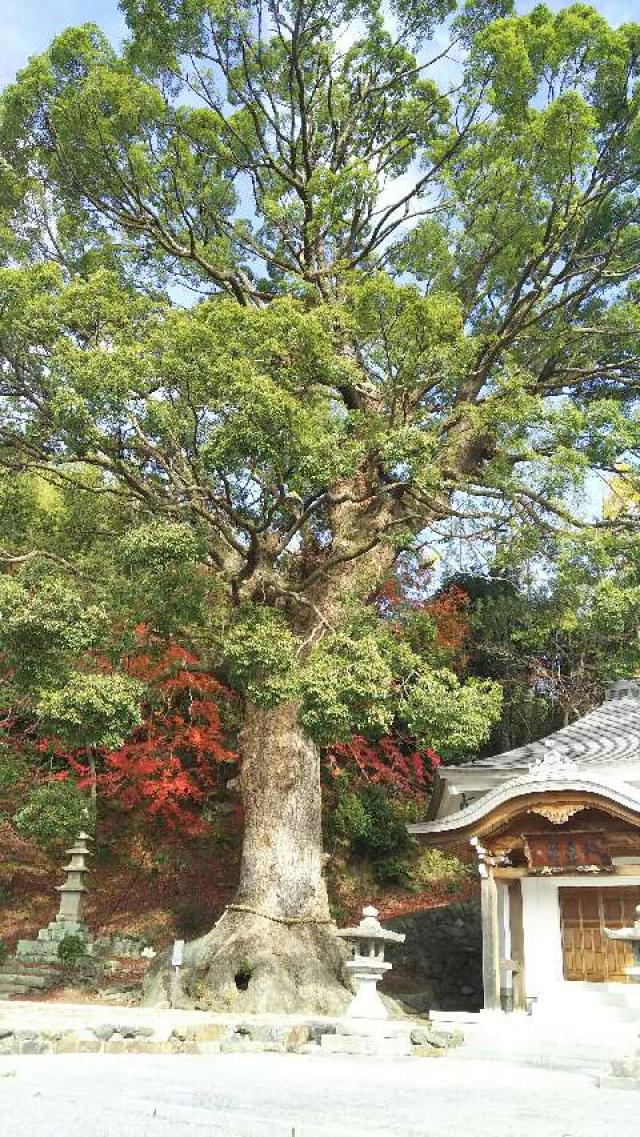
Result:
[302,287]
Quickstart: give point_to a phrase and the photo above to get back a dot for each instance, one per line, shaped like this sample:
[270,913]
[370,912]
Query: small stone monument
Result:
[68,922]
[626,1071]
[73,890]
[368,965]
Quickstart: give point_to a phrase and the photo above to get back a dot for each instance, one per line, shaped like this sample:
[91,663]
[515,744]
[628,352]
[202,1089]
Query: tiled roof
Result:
[606,736]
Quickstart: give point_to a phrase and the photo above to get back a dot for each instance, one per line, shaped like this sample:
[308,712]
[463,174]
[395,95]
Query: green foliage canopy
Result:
[413,304]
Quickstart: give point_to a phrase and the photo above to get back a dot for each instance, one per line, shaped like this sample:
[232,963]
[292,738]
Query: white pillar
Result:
[490,943]
[504,937]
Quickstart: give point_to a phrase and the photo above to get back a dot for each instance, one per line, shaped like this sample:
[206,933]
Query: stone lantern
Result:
[626,1071]
[69,918]
[630,936]
[368,965]
[73,890]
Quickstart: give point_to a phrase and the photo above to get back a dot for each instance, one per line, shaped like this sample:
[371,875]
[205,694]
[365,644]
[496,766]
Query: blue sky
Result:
[28,25]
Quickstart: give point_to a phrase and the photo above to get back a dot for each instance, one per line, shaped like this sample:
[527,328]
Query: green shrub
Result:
[350,820]
[53,813]
[436,867]
[393,871]
[371,821]
[72,950]
[13,767]
[4,951]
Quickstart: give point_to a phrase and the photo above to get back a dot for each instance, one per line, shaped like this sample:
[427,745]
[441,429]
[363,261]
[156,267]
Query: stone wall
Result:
[439,966]
[215,1034]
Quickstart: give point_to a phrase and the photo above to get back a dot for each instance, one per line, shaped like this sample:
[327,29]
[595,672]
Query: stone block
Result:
[9,1045]
[441,1039]
[298,1036]
[68,1044]
[163,1033]
[131,1030]
[373,1046]
[114,1046]
[142,1046]
[209,1032]
[104,1031]
[426,1051]
[91,1046]
[611,1082]
[318,1029]
[374,1028]
[271,1036]
[36,1046]
[626,1067]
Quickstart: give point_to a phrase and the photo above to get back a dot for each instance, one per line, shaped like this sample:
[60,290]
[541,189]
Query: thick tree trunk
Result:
[281,872]
[274,948]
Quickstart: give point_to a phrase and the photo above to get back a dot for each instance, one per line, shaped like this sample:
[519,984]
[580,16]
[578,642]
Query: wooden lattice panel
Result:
[588,954]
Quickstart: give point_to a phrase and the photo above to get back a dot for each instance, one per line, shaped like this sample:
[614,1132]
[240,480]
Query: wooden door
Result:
[587,953]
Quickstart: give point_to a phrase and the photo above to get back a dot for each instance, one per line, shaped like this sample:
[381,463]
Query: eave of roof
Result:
[619,793]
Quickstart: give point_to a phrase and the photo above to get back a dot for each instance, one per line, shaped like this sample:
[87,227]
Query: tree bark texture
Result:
[273,949]
[281,870]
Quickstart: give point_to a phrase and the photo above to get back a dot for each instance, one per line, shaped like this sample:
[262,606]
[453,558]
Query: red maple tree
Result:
[449,611]
[166,771]
[390,761]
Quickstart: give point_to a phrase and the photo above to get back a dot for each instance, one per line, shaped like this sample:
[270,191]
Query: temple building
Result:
[556,829]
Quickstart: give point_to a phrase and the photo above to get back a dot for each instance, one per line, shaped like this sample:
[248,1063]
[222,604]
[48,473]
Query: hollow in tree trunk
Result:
[274,948]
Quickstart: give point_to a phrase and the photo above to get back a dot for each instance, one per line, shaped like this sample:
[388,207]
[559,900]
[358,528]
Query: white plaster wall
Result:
[542,936]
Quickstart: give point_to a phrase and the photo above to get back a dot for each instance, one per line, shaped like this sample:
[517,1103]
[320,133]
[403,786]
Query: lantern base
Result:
[373,1037]
[366,1003]
[625,1074]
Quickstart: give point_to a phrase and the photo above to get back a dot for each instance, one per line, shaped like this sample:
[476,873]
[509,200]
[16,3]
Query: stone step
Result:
[595,1059]
[36,982]
[10,967]
[596,1013]
[9,981]
[566,1045]
[600,1018]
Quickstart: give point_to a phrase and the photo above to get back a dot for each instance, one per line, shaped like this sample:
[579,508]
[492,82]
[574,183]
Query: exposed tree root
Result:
[255,965]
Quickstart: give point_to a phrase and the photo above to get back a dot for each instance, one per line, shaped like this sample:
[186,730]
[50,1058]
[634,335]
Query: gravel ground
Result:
[272,1095]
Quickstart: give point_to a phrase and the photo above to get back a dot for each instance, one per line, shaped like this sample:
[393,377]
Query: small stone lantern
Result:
[368,965]
[630,936]
[628,1067]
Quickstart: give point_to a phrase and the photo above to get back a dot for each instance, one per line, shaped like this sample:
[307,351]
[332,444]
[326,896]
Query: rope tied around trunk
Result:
[278,919]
